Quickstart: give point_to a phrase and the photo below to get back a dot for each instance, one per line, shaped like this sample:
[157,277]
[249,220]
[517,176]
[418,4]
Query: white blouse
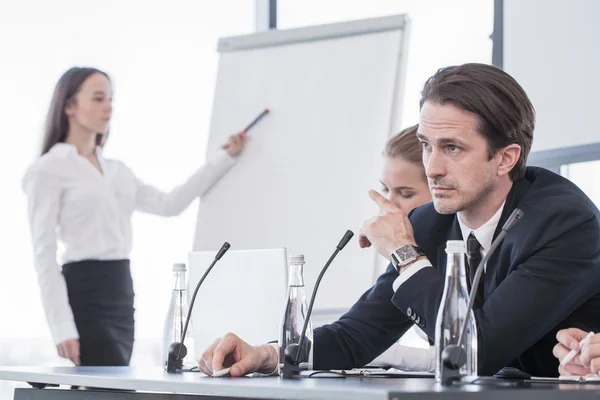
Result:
[89,213]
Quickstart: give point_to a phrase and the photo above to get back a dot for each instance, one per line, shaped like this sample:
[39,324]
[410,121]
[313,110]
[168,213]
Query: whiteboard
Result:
[335,93]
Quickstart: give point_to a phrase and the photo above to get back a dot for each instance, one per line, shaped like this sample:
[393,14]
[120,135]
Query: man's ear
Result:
[509,156]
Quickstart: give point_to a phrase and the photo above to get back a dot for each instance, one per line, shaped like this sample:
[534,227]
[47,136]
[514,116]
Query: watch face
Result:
[406,253]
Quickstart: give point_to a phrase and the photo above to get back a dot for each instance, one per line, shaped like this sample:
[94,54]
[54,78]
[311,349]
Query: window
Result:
[162,58]
[586,175]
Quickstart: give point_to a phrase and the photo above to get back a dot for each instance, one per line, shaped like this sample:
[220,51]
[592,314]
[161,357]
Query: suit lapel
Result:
[516,194]
[454,233]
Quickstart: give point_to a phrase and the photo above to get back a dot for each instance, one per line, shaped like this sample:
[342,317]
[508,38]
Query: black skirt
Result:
[101,297]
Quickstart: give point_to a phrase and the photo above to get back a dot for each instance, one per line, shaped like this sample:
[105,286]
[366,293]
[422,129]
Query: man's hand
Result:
[231,351]
[587,361]
[69,349]
[389,231]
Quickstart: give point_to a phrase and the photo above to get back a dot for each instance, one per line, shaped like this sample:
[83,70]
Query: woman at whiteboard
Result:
[84,202]
[404,183]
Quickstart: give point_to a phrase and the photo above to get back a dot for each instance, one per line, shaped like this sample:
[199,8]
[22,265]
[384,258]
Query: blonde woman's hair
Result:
[405,145]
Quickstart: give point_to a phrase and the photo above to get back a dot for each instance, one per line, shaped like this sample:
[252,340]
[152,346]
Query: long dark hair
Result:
[57,123]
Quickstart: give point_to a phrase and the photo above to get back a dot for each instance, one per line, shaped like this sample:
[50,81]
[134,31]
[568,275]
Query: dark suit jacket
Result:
[545,276]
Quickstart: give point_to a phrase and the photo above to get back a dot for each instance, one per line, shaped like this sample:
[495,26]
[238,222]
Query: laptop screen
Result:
[245,293]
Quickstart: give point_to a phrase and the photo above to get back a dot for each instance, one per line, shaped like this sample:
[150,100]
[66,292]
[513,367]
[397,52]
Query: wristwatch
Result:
[405,255]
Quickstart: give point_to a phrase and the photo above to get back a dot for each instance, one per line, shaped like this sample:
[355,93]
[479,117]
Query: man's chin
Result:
[445,206]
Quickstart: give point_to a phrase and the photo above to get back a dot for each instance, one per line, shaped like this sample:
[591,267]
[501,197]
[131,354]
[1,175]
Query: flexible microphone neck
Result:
[179,348]
[455,357]
[293,351]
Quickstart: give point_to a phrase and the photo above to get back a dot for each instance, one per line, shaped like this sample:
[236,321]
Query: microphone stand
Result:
[294,353]
[177,350]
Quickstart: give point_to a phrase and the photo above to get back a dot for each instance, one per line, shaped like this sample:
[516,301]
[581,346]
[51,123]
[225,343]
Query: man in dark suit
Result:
[476,127]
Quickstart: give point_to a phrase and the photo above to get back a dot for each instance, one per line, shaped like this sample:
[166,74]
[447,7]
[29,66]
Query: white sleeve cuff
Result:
[407,358]
[63,331]
[410,271]
[276,347]
[223,158]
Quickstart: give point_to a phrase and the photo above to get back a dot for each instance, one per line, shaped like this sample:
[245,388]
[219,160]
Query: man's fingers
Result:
[591,350]
[589,353]
[226,346]
[595,339]
[203,367]
[595,366]
[560,351]
[570,338]
[242,367]
[571,369]
[381,201]
[363,241]
[207,357]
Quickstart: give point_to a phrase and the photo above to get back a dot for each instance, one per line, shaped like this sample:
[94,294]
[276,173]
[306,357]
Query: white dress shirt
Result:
[411,358]
[484,235]
[89,213]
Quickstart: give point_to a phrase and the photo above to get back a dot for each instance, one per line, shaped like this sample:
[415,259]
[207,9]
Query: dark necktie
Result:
[473,259]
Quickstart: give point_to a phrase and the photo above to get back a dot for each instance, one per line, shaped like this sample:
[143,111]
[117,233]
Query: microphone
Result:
[454,356]
[177,350]
[295,353]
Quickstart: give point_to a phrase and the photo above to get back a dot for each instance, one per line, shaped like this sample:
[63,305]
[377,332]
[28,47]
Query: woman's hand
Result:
[69,349]
[235,144]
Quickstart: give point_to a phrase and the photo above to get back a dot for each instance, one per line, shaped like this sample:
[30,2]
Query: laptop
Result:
[245,293]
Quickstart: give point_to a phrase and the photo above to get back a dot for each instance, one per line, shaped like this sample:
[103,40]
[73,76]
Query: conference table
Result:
[152,383]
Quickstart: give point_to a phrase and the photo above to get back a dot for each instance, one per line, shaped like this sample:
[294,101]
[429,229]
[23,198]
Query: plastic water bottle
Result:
[295,313]
[175,321]
[453,311]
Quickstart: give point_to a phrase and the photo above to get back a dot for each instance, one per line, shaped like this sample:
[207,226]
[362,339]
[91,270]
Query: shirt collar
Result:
[62,148]
[485,233]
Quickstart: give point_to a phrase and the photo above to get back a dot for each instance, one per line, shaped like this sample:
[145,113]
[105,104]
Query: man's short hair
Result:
[506,115]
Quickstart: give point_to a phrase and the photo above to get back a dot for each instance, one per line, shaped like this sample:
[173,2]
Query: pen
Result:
[573,353]
[255,121]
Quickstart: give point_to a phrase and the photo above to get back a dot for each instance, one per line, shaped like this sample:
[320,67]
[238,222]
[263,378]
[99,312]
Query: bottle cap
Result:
[455,246]
[297,259]
[179,267]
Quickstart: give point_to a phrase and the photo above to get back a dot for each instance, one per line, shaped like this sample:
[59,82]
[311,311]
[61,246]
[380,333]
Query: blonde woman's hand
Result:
[69,349]
[235,144]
